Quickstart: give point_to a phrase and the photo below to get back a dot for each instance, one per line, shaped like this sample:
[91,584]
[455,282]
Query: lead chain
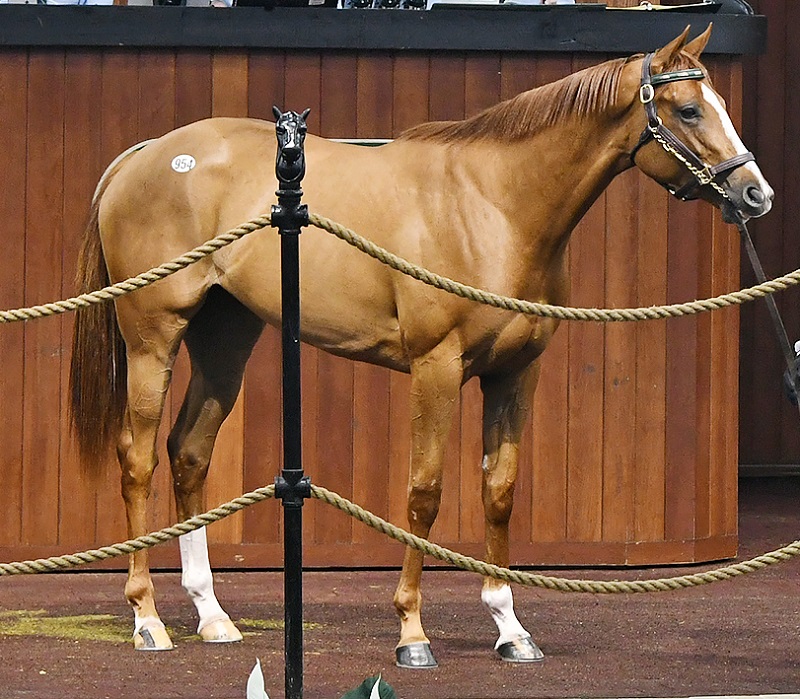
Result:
[701,176]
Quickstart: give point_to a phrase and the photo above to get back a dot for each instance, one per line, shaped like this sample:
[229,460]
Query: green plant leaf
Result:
[372,688]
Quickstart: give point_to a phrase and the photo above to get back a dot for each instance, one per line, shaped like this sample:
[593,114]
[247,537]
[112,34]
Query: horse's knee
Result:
[423,503]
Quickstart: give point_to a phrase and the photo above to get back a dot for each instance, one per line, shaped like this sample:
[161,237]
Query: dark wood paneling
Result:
[632,427]
[13,140]
[769,432]
[43,268]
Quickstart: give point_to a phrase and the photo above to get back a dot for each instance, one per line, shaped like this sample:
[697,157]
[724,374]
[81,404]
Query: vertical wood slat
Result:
[43,269]
[78,505]
[651,338]
[768,99]
[195,85]
[13,206]
[619,374]
[586,380]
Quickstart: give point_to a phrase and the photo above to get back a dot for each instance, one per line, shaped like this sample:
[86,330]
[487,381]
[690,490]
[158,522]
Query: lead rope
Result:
[789,355]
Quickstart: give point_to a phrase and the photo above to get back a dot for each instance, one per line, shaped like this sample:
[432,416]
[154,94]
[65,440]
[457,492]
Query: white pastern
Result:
[500,603]
[197,579]
[733,136]
[146,622]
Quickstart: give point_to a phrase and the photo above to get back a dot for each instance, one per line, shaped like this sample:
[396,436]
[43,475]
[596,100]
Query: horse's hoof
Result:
[520,650]
[154,638]
[415,656]
[220,631]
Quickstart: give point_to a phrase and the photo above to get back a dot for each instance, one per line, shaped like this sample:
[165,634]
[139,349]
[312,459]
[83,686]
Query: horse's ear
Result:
[696,46]
[664,56]
[305,113]
[277,112]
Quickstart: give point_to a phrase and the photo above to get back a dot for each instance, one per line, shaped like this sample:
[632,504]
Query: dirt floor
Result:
[66,635]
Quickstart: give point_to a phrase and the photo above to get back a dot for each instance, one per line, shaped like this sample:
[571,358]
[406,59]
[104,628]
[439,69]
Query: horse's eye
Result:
[690,113]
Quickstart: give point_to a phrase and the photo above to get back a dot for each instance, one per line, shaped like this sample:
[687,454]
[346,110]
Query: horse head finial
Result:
[290,162]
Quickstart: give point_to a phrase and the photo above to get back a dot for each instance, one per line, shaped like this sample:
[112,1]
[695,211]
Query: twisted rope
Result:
[140,281]
[548,582]
[43,565]
[488,298]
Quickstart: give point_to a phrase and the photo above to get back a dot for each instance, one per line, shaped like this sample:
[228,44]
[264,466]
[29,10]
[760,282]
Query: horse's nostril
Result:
[753,196]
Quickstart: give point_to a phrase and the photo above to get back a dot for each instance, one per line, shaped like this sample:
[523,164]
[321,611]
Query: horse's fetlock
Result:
[407,601]
[138,589]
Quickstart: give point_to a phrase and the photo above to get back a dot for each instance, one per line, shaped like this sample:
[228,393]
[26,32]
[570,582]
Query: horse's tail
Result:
[98,373]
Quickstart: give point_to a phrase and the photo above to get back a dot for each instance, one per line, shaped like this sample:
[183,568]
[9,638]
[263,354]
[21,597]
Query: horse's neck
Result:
[555,177]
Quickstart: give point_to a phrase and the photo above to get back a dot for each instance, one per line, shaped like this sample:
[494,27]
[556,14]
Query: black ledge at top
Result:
[574,29]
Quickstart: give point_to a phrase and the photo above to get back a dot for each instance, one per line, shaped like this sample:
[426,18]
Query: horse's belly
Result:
[343,310]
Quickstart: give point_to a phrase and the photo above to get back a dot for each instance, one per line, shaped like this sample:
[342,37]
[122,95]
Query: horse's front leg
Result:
[435,384]
[506,403]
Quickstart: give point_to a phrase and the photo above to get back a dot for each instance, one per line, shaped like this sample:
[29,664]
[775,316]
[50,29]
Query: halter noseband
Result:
[655,130]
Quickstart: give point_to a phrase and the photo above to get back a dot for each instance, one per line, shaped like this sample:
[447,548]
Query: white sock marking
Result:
[500,603]
[197,579]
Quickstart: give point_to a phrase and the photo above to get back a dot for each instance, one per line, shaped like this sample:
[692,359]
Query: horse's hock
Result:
[631,453]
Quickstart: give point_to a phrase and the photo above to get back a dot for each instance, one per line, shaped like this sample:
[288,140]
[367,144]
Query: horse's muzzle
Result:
[750,196]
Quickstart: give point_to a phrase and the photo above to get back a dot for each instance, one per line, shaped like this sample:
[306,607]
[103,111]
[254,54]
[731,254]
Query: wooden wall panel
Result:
[769,431]
[614,467]
[13,150]
[82,85]
[42,278]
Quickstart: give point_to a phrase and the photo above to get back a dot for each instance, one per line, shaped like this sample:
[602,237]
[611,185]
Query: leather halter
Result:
[655,130]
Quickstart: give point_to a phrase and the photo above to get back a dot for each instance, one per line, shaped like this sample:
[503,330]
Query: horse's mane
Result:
[581,94]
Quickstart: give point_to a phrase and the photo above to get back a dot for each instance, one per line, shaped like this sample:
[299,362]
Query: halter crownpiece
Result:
[655,130]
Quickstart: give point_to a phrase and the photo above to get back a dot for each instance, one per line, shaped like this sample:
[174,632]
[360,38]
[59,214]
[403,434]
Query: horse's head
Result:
[290,129]
[688,142]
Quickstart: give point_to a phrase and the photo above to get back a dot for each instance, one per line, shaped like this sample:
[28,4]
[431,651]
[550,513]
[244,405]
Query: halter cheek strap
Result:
[655,130]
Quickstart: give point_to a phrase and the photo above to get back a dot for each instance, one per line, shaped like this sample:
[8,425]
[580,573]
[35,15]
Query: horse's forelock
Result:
[581,94]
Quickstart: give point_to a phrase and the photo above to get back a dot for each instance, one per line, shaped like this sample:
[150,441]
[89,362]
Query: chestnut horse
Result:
[514,179]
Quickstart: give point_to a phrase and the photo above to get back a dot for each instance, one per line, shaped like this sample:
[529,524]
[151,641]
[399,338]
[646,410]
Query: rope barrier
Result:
[109,293]
[44,565]
[602,315]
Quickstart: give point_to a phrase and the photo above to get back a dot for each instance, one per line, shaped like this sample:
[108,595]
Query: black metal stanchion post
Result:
[291,486]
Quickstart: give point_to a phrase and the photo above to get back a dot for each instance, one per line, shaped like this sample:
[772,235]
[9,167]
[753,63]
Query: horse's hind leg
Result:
[151,349]
[435,384]
[506,404]
[219,339]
